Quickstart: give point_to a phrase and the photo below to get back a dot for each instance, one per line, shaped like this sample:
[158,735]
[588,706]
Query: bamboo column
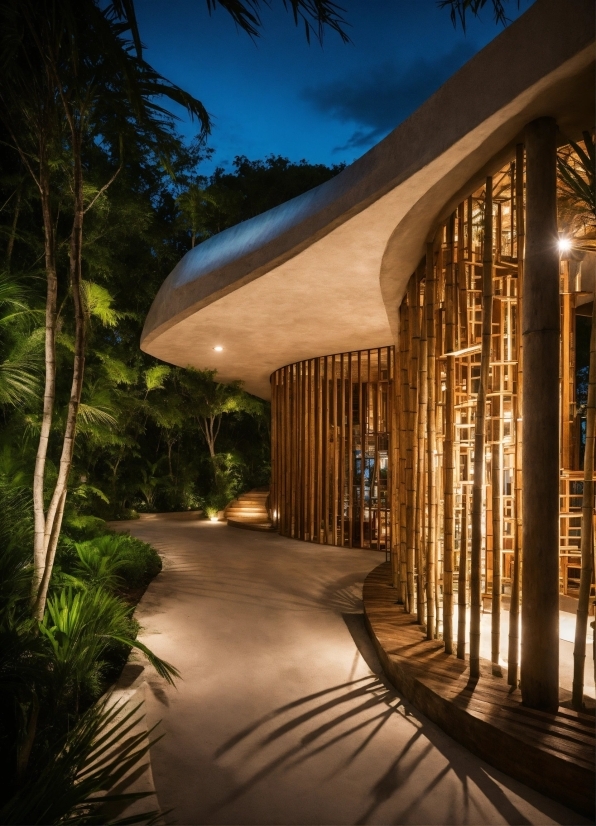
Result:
[431,444]
[462,602]
[497,508]
[395,473]
[587,535]
[422,461]
[513,650]
[480,433]
[404,394]
[449,443]
[541,332]
[412,444]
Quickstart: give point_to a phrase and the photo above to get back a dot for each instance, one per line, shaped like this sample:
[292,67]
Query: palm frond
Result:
[460,8]
[71,788]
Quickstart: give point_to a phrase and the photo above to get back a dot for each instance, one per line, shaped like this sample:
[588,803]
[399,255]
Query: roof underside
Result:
[325,272]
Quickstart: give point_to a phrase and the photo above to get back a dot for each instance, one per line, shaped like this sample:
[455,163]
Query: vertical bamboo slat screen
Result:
[331,445]
[435,421]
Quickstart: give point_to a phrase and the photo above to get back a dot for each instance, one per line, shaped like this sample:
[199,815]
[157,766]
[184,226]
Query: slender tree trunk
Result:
[480,433]
[449,445]
[541,333]
[13,228]
[431,445]
[39,547]
[513,650]
[55,510]
[587,535]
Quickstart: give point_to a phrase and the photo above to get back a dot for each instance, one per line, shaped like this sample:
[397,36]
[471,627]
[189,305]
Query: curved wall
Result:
[331,446]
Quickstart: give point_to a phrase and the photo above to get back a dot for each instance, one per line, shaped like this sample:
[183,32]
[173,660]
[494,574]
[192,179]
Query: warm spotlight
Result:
[564,244]
[218,348]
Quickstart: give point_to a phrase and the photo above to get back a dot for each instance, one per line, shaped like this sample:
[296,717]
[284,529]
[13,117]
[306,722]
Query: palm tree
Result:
[459,9]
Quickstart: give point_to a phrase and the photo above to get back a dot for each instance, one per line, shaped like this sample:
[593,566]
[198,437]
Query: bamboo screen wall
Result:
[331,423]
[437,444]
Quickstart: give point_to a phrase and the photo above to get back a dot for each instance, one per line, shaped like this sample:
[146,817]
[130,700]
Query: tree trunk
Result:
[480,433]
[13,228]
[587,535]
[55,510]
[39,547]
[541,337]
[431,445]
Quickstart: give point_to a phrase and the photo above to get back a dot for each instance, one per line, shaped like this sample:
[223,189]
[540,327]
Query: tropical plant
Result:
[577,214]
[79,771]
[460,8]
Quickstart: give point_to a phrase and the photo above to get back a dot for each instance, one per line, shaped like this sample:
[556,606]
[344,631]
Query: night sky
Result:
[278,95]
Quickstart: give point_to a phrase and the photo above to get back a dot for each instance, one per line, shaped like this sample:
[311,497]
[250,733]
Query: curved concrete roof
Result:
[325,272]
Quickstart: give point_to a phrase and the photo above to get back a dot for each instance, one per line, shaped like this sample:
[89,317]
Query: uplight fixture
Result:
[213,519]
[218,348]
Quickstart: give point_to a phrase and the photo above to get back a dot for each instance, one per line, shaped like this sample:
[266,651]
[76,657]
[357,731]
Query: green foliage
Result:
[460,8]
[576,165]
[96,753]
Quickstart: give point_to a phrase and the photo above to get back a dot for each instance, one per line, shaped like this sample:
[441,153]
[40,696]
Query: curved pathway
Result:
[283,715]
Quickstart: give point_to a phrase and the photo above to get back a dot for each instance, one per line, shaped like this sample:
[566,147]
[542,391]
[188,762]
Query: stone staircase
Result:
[250,511]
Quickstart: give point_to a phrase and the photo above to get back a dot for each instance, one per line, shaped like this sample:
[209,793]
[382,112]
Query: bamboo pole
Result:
[422,458]
[449,444]
[403,449]
[412,443]
[431,442]
[394,469]
[351,450]
[541,458]
[462,602]
[497,512]
[480,433]
[587,534]
[513,650]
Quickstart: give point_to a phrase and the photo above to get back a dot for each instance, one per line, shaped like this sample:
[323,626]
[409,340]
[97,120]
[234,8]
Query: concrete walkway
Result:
[282,715]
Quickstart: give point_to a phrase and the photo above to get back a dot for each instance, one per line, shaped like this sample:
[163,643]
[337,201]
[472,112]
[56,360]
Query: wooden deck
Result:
[553,753]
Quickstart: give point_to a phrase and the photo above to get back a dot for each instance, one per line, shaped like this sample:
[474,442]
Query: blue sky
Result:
[278,95]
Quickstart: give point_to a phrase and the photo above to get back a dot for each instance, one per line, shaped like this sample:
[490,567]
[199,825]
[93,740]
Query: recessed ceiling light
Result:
[218,348]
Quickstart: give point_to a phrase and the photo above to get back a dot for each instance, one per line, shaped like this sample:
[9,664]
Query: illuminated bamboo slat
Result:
[350,449]
[449,444]
[394,475]
[403,402]
[513,647]
[431,551]
[480,435]
[340,448]
[462,602]
[497,507]
[421,480]
[587,531]
[412,446]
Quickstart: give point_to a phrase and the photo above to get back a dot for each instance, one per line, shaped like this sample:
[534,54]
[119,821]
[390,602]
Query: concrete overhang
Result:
[324,273]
